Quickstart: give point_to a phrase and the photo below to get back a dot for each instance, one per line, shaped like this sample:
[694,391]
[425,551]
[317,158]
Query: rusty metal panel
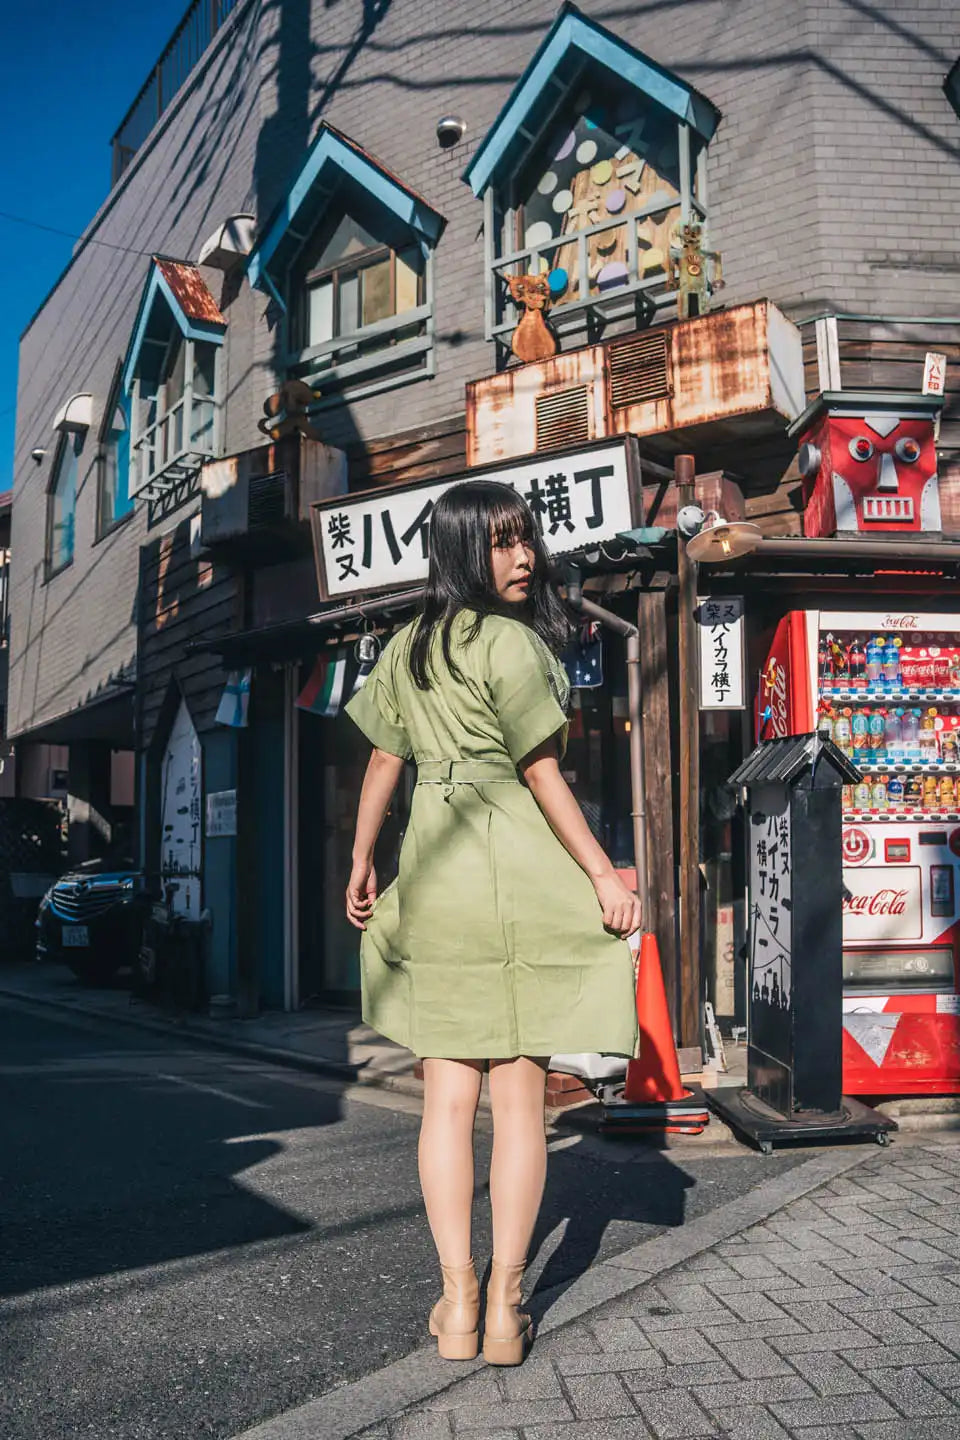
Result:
[502,409]
[190,291]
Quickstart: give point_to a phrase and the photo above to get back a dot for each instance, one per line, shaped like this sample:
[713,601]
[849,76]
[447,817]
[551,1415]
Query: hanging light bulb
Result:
[718,539]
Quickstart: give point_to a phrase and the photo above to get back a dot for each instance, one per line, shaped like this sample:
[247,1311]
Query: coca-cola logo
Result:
[857,845]
[900,622]
[881,902]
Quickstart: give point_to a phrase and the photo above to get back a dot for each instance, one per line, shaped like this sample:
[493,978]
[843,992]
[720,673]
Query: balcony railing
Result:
[175,446]
[187,44]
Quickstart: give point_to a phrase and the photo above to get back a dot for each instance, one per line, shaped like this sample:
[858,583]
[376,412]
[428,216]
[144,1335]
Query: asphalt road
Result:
[190,1242]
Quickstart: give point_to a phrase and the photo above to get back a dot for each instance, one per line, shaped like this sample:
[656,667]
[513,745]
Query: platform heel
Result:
[455,1318]
[508,1333]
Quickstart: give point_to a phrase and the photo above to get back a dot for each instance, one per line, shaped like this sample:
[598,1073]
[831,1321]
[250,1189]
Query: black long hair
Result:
[466,522]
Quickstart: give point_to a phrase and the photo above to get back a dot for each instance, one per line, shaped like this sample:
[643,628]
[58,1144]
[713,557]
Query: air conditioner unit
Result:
[258,502]
[706,385]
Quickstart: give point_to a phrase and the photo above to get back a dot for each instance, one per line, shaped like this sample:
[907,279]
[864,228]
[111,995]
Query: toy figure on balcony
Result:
[693,272]
[533,339]
[286,412]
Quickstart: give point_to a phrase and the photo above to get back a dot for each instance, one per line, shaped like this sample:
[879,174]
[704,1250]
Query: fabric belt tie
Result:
[450,773]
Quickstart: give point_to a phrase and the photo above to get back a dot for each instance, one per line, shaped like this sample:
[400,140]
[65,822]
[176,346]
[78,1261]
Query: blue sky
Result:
[69,69]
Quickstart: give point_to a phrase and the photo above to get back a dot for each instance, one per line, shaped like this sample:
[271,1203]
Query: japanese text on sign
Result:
[721,653]
[382,539]
[770,906]
[934,373]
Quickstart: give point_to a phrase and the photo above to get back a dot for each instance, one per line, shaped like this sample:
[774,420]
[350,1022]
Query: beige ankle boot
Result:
[455,1318]
[507,1331]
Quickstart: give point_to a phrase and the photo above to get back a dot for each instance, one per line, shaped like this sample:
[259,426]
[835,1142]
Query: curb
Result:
[292,1059]
[350,1409]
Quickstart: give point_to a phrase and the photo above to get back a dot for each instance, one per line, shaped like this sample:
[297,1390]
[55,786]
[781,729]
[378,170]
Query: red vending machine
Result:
[886,688]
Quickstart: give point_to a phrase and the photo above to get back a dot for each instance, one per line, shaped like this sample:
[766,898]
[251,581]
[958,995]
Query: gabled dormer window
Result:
[170,384]
[348,258]
[591,189]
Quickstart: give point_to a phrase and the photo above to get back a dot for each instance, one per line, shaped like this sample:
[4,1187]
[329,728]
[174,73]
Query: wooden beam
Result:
[659,770]
[689,716]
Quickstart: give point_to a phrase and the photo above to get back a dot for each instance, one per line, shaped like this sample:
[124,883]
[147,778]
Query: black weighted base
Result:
[753,1120]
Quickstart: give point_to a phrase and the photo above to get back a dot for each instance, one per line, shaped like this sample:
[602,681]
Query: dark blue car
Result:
[92,919]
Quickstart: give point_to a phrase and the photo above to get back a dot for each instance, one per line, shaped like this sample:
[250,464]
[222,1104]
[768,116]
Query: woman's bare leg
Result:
[519,1165]
[451,1089]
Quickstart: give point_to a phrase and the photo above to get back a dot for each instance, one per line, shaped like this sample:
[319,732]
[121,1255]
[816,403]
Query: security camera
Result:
[450,131]
[690,520]
[38,454]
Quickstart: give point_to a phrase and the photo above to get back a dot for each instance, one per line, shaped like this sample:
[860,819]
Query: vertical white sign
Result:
[934,373]
[180,846]
[720,623]
[770,905]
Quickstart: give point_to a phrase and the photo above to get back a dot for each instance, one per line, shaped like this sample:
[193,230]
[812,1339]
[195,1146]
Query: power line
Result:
[68,235]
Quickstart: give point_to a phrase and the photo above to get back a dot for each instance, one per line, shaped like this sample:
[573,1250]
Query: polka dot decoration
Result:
[615,201]
[586,152]
[558,281]
[538,233]
[547,183]
[612,274]
[562,201]
[565,145]
[601,172]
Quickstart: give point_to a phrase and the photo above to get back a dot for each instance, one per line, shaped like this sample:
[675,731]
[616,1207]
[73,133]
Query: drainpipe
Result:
[638,807]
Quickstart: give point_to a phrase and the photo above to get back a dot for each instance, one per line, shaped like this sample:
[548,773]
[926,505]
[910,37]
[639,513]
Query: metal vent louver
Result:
[266,503]
[563,418]
[639,370]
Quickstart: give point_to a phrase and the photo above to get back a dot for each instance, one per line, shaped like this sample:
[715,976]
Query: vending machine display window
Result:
[926,971]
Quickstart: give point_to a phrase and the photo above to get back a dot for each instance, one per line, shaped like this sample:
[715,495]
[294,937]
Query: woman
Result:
[502,940]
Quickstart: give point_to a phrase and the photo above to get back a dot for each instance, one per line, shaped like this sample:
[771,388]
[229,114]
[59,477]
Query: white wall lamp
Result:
[711,540]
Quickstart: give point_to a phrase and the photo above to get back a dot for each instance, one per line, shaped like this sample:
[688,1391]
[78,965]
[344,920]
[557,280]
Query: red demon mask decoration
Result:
[869,470]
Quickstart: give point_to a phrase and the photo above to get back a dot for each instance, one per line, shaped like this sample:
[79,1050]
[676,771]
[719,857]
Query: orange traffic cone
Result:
[656,1075]
[653,1099]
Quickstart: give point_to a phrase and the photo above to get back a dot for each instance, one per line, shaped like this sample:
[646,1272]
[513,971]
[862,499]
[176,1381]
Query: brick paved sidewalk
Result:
[836,1319]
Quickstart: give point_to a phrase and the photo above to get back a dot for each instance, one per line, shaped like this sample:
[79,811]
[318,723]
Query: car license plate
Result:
[75,936]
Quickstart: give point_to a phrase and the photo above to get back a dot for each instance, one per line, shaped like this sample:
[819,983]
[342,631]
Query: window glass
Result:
[349,307]
[377,301]
[409,265]
[203,412]
[320,319]
[114,498]
[63,503]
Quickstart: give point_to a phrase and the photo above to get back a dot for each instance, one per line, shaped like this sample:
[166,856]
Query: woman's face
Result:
[512,566]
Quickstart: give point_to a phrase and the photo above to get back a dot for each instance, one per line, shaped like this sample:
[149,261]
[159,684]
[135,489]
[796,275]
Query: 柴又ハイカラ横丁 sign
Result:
[379,539]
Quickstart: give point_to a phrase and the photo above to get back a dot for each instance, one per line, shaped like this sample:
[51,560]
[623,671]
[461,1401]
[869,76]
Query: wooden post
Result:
[689,714]
[659,768]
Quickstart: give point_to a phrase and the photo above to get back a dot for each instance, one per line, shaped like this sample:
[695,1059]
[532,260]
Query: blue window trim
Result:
[156,286]
[117,398]
[331,155]
[573,37]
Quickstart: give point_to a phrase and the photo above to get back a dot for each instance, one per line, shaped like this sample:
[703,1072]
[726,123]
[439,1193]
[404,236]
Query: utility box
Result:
[791,793]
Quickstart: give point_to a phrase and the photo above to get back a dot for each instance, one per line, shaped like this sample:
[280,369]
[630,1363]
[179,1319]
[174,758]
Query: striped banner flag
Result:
[324,692]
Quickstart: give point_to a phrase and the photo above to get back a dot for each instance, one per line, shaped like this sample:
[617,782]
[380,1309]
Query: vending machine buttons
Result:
[896,852]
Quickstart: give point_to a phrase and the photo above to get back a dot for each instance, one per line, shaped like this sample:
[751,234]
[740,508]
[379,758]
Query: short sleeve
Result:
[376,710]
[525,692]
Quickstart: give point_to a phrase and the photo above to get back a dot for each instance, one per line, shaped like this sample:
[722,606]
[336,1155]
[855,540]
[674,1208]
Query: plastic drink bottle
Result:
[910,731]
[824,662]
[862,795]
[878,796]
[875,660]
[891,732]
[860,731]
[857,665]
[929,748]
[895,790]
[842,733]
[891,663]
[876,730]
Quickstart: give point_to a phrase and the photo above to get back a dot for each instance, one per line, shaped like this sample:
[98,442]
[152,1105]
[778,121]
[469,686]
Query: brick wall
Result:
[833,180]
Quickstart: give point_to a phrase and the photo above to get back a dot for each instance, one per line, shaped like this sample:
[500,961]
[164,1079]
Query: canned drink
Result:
[931,792]
[948,792]
[895,791]
[913,790]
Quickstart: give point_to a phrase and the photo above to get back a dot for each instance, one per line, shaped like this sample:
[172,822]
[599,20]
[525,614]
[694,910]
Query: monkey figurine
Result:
[532,339]
[285,413]
[693,272]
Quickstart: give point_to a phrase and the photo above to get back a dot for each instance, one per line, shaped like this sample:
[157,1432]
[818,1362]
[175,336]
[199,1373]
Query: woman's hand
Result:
[361,893]
[621,908]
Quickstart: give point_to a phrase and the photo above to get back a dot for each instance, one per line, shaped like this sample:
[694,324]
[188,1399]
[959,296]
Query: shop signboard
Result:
[377,540]
[771,940]
[720,627]
[181,789]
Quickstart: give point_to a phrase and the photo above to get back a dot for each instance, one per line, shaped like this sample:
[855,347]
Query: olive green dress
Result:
[490,942]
